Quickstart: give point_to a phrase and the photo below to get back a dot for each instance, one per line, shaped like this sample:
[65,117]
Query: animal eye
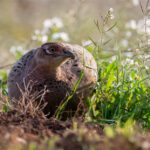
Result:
[52,49]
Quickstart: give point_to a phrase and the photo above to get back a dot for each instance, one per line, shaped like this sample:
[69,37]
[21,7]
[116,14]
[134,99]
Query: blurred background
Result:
[20,20]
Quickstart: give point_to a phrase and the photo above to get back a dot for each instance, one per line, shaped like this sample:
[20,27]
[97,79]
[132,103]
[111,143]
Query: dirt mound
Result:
[25,128]
[28,131]
[17,129]
[36,124]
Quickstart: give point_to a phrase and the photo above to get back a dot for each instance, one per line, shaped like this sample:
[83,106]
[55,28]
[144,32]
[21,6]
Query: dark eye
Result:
[52,49]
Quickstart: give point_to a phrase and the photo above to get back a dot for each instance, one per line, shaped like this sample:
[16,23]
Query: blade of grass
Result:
[72,91]
[111,27]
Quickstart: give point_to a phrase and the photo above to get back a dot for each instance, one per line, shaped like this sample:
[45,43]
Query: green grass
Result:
[121,93]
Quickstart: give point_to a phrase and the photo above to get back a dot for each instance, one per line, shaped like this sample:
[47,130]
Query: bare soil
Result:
[38,132]
[25,127]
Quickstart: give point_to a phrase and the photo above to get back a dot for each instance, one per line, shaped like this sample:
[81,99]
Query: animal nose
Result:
[69,54]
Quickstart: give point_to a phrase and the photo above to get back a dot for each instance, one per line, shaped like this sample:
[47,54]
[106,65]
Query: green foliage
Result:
[122,91]
[3,85]
[121,94]
[3,88]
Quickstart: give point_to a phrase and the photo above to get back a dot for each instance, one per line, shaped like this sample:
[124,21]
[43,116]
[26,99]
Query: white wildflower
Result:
[47,23]
[143,26]
[130,78]
[135,2]
[13,49]
[44,39]
[131,24]
[112,16]
[124,43]
[147,22]
[146,67]
[110,13]
[36,32]
[34,38]
[128,33]
[146,56]
[62,36]
[54,22]
[113,58]
[57,22]
[111,10]
[140,57]
[148,41]
[86,43]
[129,54]
[20,48]
[130,61]
[148,30]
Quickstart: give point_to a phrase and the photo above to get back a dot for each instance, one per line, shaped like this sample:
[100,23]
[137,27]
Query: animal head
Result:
[52,55]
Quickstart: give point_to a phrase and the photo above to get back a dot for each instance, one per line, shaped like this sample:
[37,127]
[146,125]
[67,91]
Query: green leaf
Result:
[111,27]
